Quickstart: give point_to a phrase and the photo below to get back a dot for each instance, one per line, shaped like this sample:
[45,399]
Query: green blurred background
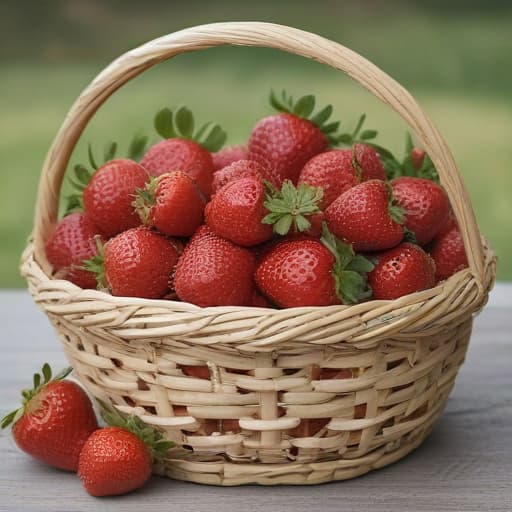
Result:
[454,57]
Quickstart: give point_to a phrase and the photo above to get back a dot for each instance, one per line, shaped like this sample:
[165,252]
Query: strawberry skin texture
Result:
[179,205]
[370,162]
[404,269]
[283,143]
[449,254]
[69,245]
[56,424]
[236,212]
[228,155]
[139,263]
[213,271]
[114,461]
[181,155]
[298,273]
[360,216]
[235,171]
[109,195]
[426,206]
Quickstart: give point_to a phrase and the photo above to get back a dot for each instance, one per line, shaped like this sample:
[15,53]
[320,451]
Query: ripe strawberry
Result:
[118,459]
[236,212]
[235,171]
[366,216]
[417,157]
[228,155]
[136,263]
[172,203]
[182,150]
[213,271]
[69,245]
[306,272]
[55,420]
[338,170]
[109,195]
[449,224]
[404,269]
[449,254]
[426,206]
[284,142]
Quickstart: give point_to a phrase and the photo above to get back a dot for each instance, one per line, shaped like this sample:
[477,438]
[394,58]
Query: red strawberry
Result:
[213,271]
[137,263]
[172,203]
[56,419]
[366,217]
[259,301]
[284,142]
[449,224]
[404,269]
[109,195]
[235,171]
[228,155]
[426,206]
[182,150]
[118,459]
[449,254]
[236,212]
[369,163]
[306,272]
[417,156]
[69,245]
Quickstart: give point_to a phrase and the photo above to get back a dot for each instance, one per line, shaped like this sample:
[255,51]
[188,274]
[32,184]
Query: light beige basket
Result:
[251,395]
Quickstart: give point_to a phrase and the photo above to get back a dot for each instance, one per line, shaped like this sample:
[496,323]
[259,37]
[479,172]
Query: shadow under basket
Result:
[255,395]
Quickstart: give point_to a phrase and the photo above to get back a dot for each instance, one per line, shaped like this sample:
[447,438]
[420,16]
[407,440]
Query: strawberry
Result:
[213,271]
[182,150]
[136,263]
[417,157]
[404,269]
[55,420]
[228,155]
[449,254]
[338,170]
[308,272]
[235,171]
[172,203]
[69,245]
[118,459]
[109,195]
[426,206]
[367,216]
[284,142]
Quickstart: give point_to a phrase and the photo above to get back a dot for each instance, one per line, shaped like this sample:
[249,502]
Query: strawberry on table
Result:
[237,170]
[426,206]
[404,269]
[284,142]
[171,203]
[72,242]
[448,252]
[367,216]
[228,155]
[110,193]
[213,271]
[55,420]
[183,149]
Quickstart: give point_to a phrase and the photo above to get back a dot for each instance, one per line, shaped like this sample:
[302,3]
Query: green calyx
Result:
[145,199]
[357,135]
[291,206]
[82,174]
[96,265]
[40,380]
[304,108]
[180,123]
[152,438]
[350,269]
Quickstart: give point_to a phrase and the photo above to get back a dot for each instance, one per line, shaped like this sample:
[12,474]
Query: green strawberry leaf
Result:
[345,138]
[358,127]
[304,106]
[215,139]
[360,263]
[82,174]
[96,265]
[321,117]
[47,373]
[92,160]
[409,236]
[409,145]
[164,123]
[110,151]
[368,135]
[184,122]
[137,147]
[352,287]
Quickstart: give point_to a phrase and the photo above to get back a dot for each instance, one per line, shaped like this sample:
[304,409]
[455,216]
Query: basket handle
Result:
[268,35]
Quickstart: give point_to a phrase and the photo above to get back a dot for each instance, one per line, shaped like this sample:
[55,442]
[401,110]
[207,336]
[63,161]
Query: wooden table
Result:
[465,465]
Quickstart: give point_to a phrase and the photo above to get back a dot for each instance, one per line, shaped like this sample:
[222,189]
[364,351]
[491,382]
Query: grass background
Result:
[454,57]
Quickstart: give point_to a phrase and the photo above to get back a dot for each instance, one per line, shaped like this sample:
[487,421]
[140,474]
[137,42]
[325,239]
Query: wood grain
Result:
[465,465]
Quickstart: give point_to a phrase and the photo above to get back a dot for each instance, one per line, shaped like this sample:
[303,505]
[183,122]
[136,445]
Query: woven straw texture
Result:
[255,395]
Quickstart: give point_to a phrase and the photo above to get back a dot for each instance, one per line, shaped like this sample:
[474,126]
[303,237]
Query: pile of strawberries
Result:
[300,216]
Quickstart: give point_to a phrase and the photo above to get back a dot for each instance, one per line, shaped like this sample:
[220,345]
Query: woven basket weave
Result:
[254,395]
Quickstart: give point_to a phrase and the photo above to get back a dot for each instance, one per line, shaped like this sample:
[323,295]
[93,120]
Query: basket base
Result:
[219,472]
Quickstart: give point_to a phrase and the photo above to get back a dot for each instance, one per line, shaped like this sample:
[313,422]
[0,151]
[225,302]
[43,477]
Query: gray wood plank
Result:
[465,465]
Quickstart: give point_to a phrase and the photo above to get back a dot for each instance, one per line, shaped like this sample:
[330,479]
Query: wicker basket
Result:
[293,396]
